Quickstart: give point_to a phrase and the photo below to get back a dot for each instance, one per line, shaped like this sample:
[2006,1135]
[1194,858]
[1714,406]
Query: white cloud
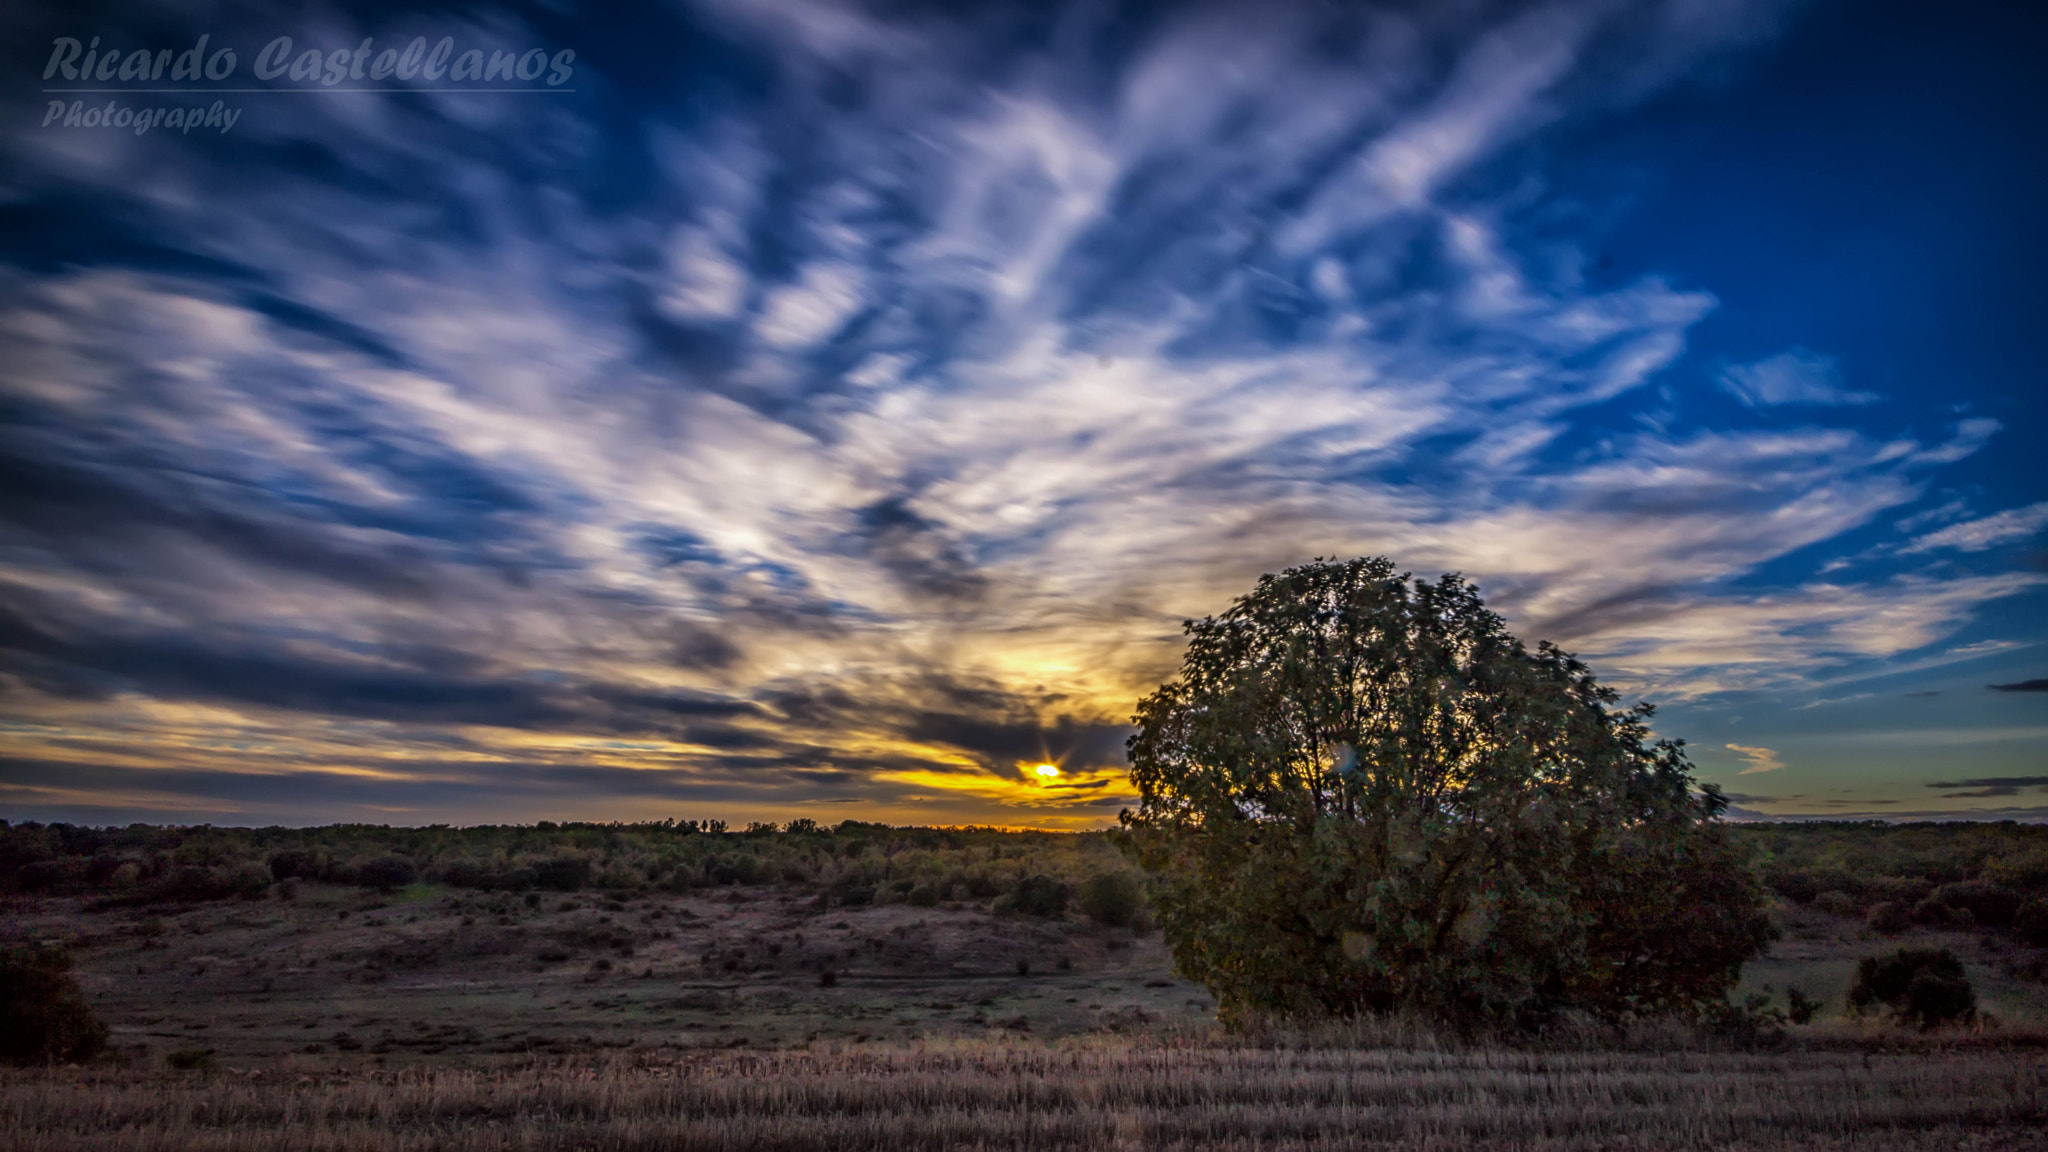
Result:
[806,311]
[704,282]
[1760,759]
[1796,376]
[2008,527]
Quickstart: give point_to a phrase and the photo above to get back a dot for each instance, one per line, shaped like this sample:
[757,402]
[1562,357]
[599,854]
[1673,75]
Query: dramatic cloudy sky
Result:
[822,409]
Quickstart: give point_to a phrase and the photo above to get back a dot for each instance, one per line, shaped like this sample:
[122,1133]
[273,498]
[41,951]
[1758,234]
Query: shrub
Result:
[1923,986]
[188,1059]
[1794,885]
[43,1015]
[2030,923]
[50,876]
[1837,902]
[385,873]
[1936,914]
[561,873]
[1889,917]
[1989,904]
[1750,1024]
[294,863]
[1801,1008]
[924,896]
[1111,898]
[1039,896]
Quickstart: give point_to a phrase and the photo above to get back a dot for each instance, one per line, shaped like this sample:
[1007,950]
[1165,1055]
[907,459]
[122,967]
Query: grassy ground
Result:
[431,973]
[1104,1094]
[435,1019]
[1818,955]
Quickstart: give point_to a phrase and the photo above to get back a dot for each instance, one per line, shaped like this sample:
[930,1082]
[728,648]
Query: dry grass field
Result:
[431,1018]
[1023,1094]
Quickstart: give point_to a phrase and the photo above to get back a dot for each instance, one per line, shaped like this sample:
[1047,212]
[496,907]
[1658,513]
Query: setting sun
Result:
[1047,770]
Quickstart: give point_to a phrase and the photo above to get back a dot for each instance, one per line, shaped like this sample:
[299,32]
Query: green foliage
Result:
[1039,896]
[1838,903]
[1889,917]
[1801,1008]
[1361,794]
[1922,986]
[1958,875]
[2030,923]
[1112,898]
[386,872]
[1750,1024]
[141,865]
[189,1059]
[43,1015]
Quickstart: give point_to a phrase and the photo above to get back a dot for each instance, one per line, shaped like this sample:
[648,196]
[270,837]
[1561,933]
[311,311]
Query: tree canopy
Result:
[1362,794]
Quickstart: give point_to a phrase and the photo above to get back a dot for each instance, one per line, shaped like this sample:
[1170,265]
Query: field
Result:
[1098,1094]
[433,1017]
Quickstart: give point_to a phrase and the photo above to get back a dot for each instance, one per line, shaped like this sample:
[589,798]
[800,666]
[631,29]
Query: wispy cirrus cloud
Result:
[2008,527]
[1796,376]
[861,428]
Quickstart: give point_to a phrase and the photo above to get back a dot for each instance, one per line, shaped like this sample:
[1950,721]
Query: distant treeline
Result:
[1955,875]
[850,864]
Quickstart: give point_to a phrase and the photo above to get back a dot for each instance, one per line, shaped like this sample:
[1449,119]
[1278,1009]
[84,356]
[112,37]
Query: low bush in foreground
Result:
[1925,987]
[43,1015]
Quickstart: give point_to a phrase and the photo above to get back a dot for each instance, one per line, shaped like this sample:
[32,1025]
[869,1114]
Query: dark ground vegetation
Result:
[670,990]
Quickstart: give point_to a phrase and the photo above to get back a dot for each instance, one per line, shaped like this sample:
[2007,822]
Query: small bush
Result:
[1039,896]
[1111,898]
[924,896]
[2030,923]
[1750,1024]
[1935,914]
[1838,903]
[1799,1007]
[43,1015]
[562,873]
[189,1059]
[1889,917]
[385,873]
[1989,904]
[1923,986]
[294,863]
[1796,886]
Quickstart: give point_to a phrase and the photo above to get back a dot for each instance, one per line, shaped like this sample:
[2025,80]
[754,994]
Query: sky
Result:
[763,409]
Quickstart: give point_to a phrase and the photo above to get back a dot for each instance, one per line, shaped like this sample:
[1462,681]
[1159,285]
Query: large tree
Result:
[1361,794]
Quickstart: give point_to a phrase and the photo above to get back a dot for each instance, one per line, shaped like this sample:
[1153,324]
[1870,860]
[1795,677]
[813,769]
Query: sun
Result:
[1047,770]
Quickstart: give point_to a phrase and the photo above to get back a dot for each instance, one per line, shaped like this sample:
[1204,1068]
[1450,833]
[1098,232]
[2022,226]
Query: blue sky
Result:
[833,410]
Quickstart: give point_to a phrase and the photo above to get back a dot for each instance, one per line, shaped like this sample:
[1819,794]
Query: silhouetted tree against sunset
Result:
[1362,795]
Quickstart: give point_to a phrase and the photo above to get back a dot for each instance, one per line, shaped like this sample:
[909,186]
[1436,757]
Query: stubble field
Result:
[429,1018]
